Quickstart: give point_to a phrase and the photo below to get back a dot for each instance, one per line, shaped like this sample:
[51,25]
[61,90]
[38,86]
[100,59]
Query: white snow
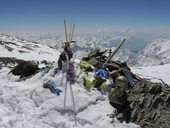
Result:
[30,50]
[27,104]
[155,73]
[157,51]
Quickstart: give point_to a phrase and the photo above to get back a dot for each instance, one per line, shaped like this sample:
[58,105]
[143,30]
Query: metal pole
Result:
[70,31]
[65,27]
[73,31]
[74,106]
[111,56]
[67,67]
[65,95]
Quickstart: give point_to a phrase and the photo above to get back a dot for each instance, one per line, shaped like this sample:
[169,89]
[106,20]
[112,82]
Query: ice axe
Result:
[116,50]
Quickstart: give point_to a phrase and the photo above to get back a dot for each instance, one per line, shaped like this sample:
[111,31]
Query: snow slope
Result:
[27,104]
[154,73]
[26,50]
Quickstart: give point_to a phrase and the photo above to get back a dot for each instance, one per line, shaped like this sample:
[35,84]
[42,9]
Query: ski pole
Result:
[74,106]
[65,92]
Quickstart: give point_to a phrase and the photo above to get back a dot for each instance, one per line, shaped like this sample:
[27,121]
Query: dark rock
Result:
[134,115]
[11,43]
[141,102]
[9,48]
[168,99]
[162,94]
[86,58]
[45,62]
[149,103]
[93,61]
[155,89]
[28,48]
[158,90]
[1,43]
[139,117]
[156,115]
[152,89]
[120,116]
[25,69]
[93,53]
[21,51]
[7,60]
[155,102]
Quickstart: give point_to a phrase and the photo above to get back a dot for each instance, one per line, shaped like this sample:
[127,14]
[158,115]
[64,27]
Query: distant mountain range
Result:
[153,52]
[106,38]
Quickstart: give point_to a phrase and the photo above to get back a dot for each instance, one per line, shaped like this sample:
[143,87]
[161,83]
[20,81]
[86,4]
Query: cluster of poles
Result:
[68,43]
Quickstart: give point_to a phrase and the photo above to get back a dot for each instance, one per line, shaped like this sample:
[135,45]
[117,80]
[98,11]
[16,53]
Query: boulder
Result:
[25,69]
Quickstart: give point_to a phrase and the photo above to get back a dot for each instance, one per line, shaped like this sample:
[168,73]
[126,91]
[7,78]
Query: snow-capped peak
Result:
[159,50]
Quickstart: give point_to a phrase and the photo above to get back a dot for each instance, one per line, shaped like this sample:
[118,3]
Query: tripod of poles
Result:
[68,77]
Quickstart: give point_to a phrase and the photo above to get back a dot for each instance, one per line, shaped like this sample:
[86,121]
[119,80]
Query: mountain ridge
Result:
[155,52]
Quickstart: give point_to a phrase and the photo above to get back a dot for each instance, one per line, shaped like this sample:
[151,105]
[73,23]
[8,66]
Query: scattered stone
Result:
[28,48]
[11,43]
[1,43]
[45,62]
[21,51]
[119,116]
[8,48]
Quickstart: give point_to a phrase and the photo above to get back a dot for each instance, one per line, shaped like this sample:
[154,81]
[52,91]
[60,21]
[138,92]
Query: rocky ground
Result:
[150,103]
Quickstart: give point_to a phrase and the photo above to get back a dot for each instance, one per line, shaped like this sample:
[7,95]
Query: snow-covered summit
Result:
[26,50]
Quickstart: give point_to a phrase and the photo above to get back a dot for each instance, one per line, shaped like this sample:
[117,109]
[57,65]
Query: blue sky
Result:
[48,15]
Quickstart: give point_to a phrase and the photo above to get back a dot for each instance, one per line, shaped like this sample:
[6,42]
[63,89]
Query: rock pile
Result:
[150,105]
[144,103]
